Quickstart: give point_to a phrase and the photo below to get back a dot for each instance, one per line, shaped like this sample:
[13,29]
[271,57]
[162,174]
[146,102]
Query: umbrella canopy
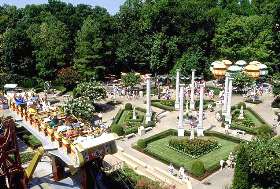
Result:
[227,62]
[241,63]
[219,66]
[216,62]
[252,67]
[262,66]
[254,63]
[234,68]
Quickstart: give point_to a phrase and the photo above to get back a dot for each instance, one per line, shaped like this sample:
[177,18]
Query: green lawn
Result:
[160,149]
[256,121]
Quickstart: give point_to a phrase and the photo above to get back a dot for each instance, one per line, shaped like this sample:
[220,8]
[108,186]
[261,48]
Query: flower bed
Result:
[194,148]
[123,124]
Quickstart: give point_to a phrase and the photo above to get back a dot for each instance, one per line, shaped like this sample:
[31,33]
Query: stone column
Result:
[181,112]
[192,103]
[148,100]
[228,112]
[224,110]
[177,89]
[200,115]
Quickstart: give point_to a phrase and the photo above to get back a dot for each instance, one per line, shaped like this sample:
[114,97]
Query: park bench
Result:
[130,135]
[148,129]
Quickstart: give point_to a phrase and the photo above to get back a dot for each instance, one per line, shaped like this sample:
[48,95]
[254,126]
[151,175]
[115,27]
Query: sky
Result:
[111,5]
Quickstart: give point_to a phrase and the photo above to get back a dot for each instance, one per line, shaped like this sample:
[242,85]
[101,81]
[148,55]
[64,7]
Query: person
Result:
[181,172]
[171,169]
[222,163]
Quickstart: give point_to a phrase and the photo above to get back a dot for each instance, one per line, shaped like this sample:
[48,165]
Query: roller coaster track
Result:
[11,173]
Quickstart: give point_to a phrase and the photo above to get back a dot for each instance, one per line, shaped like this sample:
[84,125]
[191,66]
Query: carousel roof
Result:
[216,62]
[241,63]
[234,68]
[262,66]
[254,63]
[227,62]
[252,67]
[219,66]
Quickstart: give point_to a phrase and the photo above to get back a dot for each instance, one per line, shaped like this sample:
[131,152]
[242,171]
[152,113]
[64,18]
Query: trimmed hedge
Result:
[198,168]
[118,116]
[144,143]
[161,106]
[128,106]
[117,129]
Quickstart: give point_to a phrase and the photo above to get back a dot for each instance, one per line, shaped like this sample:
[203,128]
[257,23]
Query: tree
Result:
[50,39]
[130,79]
[242,170]
[246,38]
[91,90]
[242,81]
[190,60]
[94,46]
[276,84]
[69,77]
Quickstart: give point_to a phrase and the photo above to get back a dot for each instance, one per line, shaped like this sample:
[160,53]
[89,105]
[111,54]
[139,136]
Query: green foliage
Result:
[264,131]
[81,107]
[31,141]
[241,173]
[128,106]
[142,143]
[167,105]
[194,148]
[276,84]
[242,81]
[118,129]
[94,91]
[130,79]
[69,77]
[26,157]
[276,102]
[198,168]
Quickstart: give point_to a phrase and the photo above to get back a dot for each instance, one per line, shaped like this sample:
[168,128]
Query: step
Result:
[129,162]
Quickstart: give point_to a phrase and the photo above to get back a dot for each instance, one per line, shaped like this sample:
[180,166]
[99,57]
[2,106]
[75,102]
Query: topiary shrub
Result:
[142,143]
[117,129]
[128,106]
[241,104]
[198,168]
[264,131]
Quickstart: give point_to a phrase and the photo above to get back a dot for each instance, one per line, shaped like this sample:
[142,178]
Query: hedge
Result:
[161,106]
[118,129]
[128,106]
[118,116]
[198,168]
[144,142]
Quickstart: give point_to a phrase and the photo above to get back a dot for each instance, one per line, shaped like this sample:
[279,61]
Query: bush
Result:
[128,106]
[117,129]
[264,131]
[130,130]
[142,143]
[276,102]
[194,148]
[242,169]
[241,104]
[198,168]
[161,106]
[118,116]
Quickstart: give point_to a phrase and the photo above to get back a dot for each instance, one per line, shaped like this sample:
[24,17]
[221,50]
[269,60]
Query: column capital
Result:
[148,76]
[178,70]
[227,74]
[193,70]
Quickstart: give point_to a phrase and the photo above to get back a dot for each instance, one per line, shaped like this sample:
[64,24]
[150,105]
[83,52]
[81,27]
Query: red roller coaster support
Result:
[12,175]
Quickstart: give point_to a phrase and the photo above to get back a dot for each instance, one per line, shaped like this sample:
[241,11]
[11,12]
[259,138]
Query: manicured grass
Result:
[256,120]
[161,150]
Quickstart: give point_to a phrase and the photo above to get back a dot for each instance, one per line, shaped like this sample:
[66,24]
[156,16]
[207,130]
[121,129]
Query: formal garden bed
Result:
[27,137]
[158,146]
[252,122]
[124,124]
[168,105]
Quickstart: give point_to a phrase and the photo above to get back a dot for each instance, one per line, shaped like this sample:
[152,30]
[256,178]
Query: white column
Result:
[177,89]
[228,113]
[181,112]
[148,100]
[200,115]
[224,110]
[192,103]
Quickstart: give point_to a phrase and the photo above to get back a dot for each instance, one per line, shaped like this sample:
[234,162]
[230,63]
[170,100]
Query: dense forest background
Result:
[48,41]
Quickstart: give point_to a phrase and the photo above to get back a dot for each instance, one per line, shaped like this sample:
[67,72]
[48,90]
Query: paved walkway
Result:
[153,168]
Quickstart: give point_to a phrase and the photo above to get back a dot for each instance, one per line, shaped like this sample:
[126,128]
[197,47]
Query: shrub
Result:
[128,106]
[241,172]
[276,102]
[117,129]
[198,168]
[241,104]
[264,131]
[142,143]
[118,116]
[130,130]
[68,77]
[194,148]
